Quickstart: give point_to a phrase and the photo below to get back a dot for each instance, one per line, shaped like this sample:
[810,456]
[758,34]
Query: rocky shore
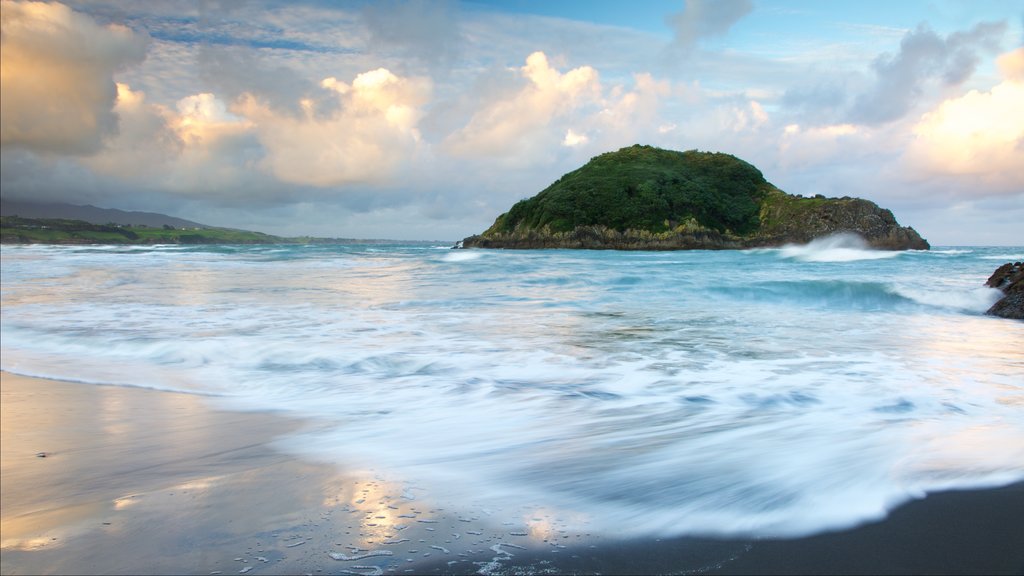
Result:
[1010,279]
[784,220]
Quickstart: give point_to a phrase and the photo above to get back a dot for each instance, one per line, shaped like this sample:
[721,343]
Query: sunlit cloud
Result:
[519,122]
[146,142]
[978,135]
[366,138]
[57,91]
[397,112]
[572,139]
[1011,65]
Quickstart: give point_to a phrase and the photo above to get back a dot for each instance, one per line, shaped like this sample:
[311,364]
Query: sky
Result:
[424,120]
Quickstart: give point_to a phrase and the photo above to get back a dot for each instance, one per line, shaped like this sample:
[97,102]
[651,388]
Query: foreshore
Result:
[103,479]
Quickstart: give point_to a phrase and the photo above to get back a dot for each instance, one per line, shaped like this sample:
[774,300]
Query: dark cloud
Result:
[924,58]
[704,19]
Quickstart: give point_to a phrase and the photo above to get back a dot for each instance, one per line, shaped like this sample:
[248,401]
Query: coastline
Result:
[150,482]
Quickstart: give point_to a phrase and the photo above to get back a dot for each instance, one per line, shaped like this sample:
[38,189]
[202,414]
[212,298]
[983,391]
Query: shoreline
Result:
[142,481]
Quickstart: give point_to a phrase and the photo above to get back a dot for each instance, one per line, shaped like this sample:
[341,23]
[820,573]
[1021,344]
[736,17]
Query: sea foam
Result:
[842,247]
[696,392]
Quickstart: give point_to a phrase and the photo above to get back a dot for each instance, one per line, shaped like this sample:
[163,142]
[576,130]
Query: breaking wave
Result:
[843,247]
[652,393]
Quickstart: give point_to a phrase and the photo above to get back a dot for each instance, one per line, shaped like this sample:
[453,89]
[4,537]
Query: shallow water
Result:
[765,392]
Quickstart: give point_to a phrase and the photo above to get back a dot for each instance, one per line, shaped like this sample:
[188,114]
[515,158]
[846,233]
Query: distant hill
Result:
[19,230]
[647,198]
[92,214]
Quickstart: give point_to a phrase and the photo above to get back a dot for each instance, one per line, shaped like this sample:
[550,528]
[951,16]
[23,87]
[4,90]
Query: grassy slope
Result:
[61,231]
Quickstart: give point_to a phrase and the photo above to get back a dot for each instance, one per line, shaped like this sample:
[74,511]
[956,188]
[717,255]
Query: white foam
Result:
[652,409]
[976,300]
[843,247]
[462,256]
[1012,257]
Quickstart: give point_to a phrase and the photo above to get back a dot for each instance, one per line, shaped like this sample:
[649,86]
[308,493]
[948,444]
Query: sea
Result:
[769,392]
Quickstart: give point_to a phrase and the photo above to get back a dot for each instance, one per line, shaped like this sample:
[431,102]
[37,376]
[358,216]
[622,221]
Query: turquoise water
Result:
[766,392]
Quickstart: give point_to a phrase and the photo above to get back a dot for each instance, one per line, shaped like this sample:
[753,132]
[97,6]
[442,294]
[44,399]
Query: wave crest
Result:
[841,247]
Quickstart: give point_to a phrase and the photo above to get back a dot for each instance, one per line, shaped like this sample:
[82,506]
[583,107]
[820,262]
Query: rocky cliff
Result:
[645,198]
[1010,279]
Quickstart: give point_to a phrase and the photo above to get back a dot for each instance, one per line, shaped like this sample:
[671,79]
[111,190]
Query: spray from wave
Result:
[842,247]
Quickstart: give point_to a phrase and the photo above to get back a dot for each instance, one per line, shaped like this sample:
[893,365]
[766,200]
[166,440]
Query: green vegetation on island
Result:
[646,188]
[647,198]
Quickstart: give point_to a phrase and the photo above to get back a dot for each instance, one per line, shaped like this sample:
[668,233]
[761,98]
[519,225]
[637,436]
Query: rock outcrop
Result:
[1010,279]
[787,219]
[645,198]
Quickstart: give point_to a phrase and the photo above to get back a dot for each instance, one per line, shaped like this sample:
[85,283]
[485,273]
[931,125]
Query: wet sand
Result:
[135,481]
[103,479]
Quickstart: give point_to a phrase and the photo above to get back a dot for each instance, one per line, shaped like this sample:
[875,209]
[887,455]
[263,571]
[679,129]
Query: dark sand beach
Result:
[101,479]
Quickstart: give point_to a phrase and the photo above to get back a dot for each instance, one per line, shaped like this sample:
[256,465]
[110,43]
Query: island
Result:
[647,198]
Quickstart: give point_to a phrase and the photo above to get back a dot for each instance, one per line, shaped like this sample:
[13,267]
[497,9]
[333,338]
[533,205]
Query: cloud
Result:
[979,135]
[572,139]
[427,30]
[232,71]
[145,142]
[801,147]
[57,91]
[924,59]
[364,139]
[702,19]
[530,118]
[1011,65]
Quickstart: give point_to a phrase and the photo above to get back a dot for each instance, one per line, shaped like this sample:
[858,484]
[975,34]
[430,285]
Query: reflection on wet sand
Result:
[137,481]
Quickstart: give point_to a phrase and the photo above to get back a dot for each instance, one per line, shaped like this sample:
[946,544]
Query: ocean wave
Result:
[974,300]
[655,394]
[1018,257]
[461,256]
[843,247]
[822,293]
[860,295]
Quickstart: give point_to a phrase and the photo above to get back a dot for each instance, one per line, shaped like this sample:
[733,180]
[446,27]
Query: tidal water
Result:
[775,392]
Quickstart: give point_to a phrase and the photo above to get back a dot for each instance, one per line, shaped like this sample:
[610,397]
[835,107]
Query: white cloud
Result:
[365,139]
[146,142]
[572,139]
[57,91]
[527,120]
[363,112]
[748,117]
[1011,65]
[979,135]
[629,116]
[801,147]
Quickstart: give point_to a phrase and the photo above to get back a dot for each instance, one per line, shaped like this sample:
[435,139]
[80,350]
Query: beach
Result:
[117,480]
[106,479]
